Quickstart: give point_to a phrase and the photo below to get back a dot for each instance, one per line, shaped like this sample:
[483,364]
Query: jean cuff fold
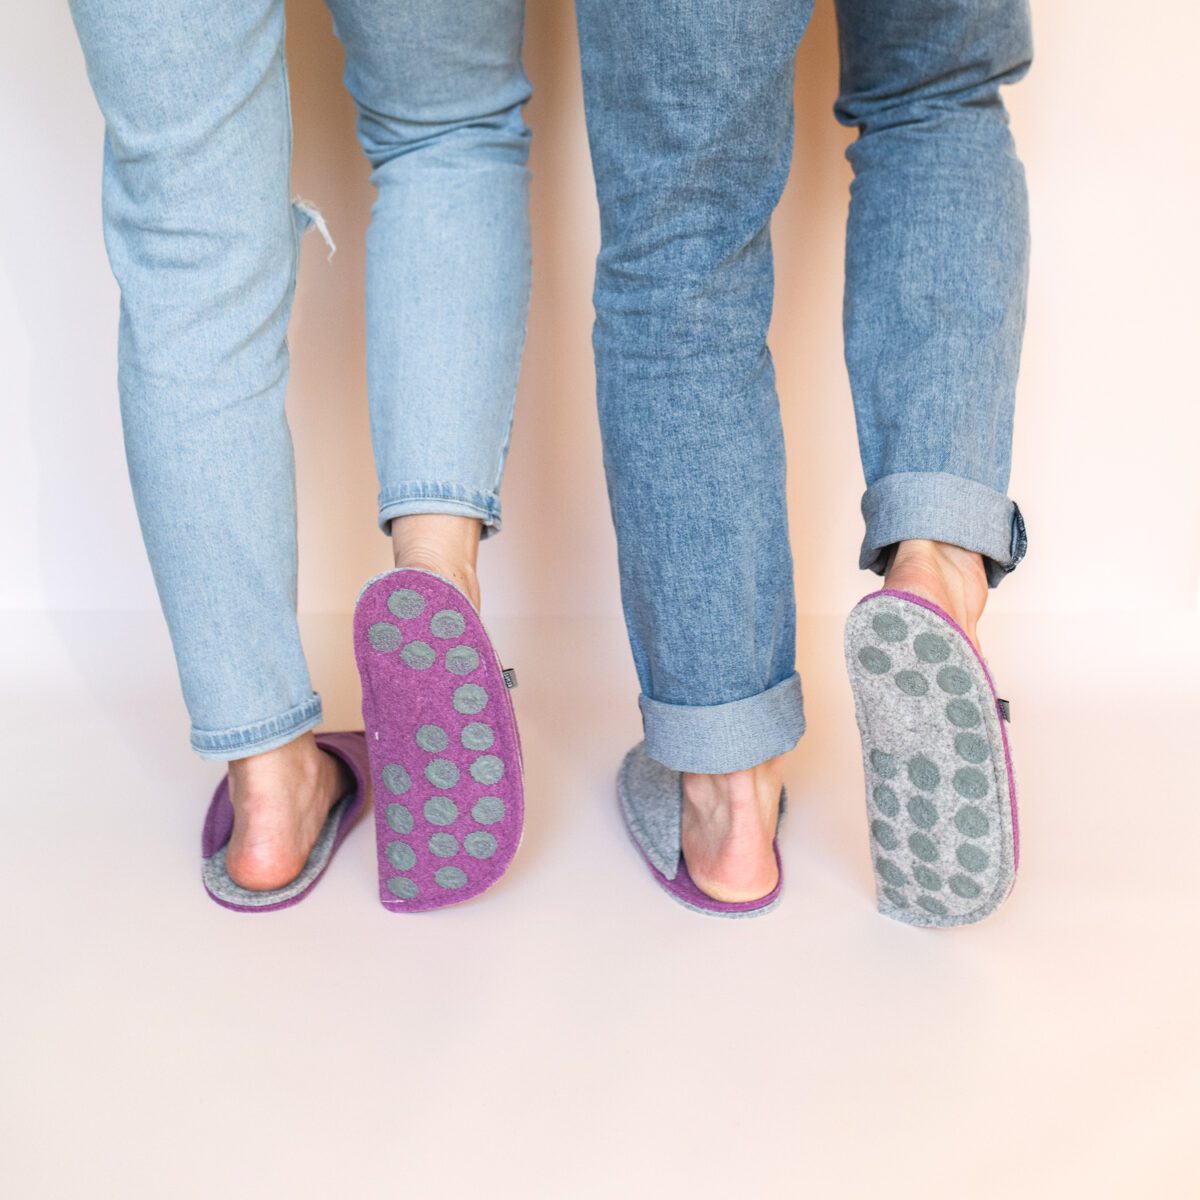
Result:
[711,739]
[268,734]
[945,508]
[426,496]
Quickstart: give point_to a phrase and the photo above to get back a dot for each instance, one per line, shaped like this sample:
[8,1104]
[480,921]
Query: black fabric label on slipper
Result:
[1003,707]
[510,677]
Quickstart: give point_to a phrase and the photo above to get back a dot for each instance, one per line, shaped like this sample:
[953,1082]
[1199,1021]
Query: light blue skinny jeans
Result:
[689,112]
[202,236]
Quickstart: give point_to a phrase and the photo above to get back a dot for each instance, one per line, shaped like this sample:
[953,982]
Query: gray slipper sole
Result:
[941,792]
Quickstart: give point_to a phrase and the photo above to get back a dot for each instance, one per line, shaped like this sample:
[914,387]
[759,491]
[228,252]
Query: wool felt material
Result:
[445,753]
[941,789]
[651,800]
[351,748]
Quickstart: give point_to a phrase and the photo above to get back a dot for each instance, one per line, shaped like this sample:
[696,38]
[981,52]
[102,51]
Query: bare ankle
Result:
[442,543]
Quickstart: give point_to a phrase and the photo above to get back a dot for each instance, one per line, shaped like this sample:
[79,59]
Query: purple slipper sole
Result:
[351,748]
[941,789]
[651,798]
[442,738]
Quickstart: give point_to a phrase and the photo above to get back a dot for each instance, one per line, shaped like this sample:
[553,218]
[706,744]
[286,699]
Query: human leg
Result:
[202,238]
[439,87]
[690,125]
[936,270]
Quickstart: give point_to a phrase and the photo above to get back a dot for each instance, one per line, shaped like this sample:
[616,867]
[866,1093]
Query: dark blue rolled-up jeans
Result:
[689,111]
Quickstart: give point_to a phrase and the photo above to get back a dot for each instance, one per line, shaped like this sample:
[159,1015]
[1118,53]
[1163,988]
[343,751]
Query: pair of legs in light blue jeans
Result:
[202,235]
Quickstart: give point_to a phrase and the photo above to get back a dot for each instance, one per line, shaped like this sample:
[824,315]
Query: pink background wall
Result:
[1107,413]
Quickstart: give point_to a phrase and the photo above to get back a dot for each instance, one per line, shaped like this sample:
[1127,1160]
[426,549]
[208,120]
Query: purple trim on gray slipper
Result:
[684,889]
[351,748]
[1008,763]
[650,797]
[445,753]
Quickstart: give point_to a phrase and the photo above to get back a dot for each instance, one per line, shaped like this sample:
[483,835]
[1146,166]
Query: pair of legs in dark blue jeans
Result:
[689,110]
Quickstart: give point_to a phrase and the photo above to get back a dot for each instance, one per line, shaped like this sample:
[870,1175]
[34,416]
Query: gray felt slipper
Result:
[941,792]
[651,797]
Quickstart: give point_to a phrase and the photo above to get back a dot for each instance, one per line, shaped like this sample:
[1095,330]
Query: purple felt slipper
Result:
[442,738]
[651,797]
[351,748]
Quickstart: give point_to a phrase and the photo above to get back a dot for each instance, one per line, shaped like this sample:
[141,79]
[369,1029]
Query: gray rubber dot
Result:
[479,844]
[399,818]
[488,810]
[959,712]
[922,811]
[890,873]
[419,655]
[404,602]
[383,636]
[972,857]
[469,698]
[441,810]
[930,648]
[964,886]
[970,783]
[884,834]
[971,821]
[929,904]
[401,856]
[477,736]
[930,880]
[890,627]
[461,660]
[912,683]
[885,764]
[487,768]
[971,747]
[874,660]
[922,847]
[451,877]
[447,624]
[886,800]
[444,845]
[442,773]
[406,889]
[432,738]
[923,772]
[396,779]
[897,898]
[954,680]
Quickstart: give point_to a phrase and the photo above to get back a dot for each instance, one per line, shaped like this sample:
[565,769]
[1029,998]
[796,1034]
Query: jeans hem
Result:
[456,499]
[244,740]
[712,739]
[945,508]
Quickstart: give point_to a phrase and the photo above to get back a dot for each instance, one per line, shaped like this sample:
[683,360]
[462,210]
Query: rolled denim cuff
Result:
[711,739]
[222,745]
[944,508]
[457,499]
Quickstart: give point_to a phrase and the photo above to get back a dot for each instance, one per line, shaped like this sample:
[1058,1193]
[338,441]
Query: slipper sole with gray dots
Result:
[941,791]
[445,755]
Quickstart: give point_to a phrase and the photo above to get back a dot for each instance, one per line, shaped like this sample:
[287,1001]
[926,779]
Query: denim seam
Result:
[485,505]
[239,737]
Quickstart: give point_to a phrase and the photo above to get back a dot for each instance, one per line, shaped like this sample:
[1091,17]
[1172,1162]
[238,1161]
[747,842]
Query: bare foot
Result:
[948,575]
[728,830]
[280,801]
[442,543]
